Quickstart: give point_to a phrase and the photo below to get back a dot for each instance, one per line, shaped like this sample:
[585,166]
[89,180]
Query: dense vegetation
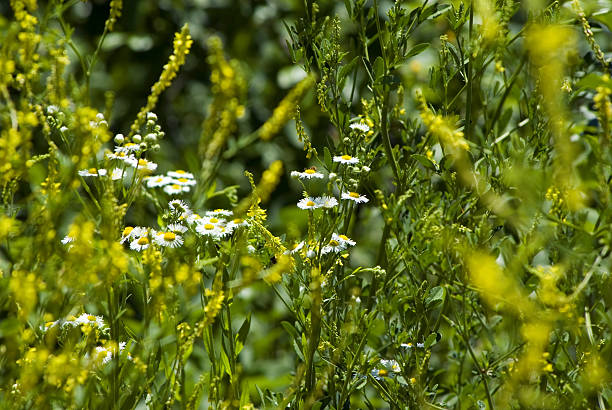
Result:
[299,204]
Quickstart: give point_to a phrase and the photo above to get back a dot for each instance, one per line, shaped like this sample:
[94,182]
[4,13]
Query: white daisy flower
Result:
[208,229]
[177,228]
[127,148]
[142,164]
[122,156]
[212,226]
[237,222]
[326,202]
[140,244]
[354,196]
[294,248]
[86,319]
[337,243]
[175,189]
[184,181]
[105,354]
[179,173]
[129,233]
[92,172]
[179,206]
[169,239]
[307,174]
[191,218]
[219,212]
[360,126]
[117,174]
[307,203]
[392,365]
[157,181]
[67,239]
[346,159]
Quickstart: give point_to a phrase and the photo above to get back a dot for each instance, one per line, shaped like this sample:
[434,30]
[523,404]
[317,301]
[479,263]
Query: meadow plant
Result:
[442,240]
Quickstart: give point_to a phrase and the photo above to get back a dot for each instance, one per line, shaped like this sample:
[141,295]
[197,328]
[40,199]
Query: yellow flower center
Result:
[346,157]
[180,171]
[334,242]
[310,203]
[175,186]
[127,230]
[214,220]
[310,171]
[143,241]
[169,236]
[159,179]
[121,154]
[91,317]
[353,194]
[343,237]
[209,226]
[219,210]
[183,179]
[130,144]
[382,372]
[142,162]
[237,220]
[92,171]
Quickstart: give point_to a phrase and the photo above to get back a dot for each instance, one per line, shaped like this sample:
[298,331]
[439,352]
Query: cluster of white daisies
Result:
[101,354]
[173,183]
[338,242]
[216,225]
[81,320]
[328,201]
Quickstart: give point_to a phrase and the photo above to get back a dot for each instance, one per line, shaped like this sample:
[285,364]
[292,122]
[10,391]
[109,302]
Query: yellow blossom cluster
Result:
[182,45]
[285,109]
[441,127]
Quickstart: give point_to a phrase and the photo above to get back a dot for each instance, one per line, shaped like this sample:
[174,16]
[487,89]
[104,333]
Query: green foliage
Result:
[443,241]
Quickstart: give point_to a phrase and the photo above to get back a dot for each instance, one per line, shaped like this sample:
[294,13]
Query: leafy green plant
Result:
[440,242]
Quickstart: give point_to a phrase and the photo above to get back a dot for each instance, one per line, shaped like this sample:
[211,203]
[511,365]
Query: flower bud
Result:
[137,138]
[119,139]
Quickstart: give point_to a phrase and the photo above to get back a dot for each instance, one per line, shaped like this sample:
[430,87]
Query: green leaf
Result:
[379,68]
[432,339]
[242,333]
[416,50]
[327,158]
[426,162]
[435,296]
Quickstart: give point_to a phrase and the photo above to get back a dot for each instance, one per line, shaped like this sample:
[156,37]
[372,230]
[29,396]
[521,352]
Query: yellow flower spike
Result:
[182,45]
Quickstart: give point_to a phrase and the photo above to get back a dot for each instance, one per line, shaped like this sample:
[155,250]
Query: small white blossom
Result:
[179,173]
[307,174]
[142,164]
[169,239]
[158,181]
[67,239]
[219,212]
[183,181]
[175,189]
[92,172]
[346,159]
[326,202]
[360,126]
[307,203]
[354,196]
